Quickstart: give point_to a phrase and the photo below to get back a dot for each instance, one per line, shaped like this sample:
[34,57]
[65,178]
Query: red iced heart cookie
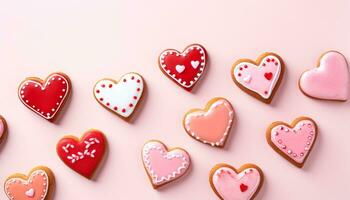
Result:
[84,155]
[120,97]
[294,142]
[3,128]
[211,125]
[184,68]
[47,97]
[38,185]
[231,184]
[260,78]
[330,80]
[163,166]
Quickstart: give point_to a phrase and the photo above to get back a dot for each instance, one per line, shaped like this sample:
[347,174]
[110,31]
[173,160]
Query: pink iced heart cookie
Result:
[231,184]
[259,79]
[163,166]
[120,97]
[211,125]
[330,80]
[294,142]
[3,128]
[37,186]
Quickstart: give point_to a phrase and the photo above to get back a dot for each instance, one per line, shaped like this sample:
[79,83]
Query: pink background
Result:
[90,40]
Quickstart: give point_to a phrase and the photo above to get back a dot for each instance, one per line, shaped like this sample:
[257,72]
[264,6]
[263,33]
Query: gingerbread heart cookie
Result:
[259,78]
[162,165]
[83,155]
[45,97]
[294,142]
[229,183]
[3,128]
[184,68]
[121,97]
[211,125]
[38,185]
[330,80]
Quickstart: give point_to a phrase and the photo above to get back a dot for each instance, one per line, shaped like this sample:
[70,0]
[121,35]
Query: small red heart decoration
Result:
[268,75]
[47,97]
[243,187]
[184,68]
[82,155]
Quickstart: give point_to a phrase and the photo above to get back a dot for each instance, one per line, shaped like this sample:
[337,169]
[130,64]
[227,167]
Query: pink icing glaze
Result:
[212,126]
[35,188]
[260,79]
[2,127]
[328,81]
[233,186]
[163,166]
[295,142]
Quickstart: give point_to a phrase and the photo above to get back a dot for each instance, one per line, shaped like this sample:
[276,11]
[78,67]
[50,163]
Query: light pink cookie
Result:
[330,80]
[162,165]
[231,184]
[211,125]
[294,142]
[260,78]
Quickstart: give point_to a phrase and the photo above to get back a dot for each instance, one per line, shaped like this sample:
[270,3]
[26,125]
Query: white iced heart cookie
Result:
[120,97]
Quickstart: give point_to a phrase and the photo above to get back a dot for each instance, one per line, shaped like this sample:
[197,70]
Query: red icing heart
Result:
[243,187]
[46,97]
[268,76]
[84,155]
[184,68]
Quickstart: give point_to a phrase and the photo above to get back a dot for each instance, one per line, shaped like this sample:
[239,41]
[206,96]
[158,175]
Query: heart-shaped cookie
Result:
[259,79]
[184,68]
[330,80]
[162,165]
[120,97]
[231,184]
[46,98]
[294,142]
[38,185]
[82,155]
[3,128]
[211,125]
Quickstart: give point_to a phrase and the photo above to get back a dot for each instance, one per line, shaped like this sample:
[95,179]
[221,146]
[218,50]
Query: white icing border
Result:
[153,145]
[43,88]
[201,113]
[26,182]
[184,53]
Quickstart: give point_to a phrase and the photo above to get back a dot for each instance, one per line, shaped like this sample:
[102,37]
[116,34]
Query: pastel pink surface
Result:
[328,81]
[90,40]
[260,79]
[295,142]
[164,166]
[35,188]
[212,126]
[233,186]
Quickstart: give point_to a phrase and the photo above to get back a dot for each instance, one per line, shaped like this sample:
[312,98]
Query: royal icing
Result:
[294,142]
[35,188]
[47,98]
[85,155]
[184,68]
[211,126]
[330,80]
[236,186]
[121,97]
[164,166]
[260,79]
